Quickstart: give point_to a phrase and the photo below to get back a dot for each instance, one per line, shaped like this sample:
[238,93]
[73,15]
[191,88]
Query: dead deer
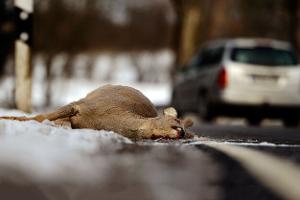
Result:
[120,109]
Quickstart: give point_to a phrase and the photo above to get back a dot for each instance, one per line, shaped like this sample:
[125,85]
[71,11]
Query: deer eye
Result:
[175,127]
[177,120]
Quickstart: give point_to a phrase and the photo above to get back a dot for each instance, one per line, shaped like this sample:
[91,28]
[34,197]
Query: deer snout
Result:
[180,131]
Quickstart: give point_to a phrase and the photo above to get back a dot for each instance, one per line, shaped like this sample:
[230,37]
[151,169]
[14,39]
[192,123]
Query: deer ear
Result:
[188,122]
[170,112]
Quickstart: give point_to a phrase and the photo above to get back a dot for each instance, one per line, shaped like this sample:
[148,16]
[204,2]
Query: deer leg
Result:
[62,113]
[17,118]
[64,122]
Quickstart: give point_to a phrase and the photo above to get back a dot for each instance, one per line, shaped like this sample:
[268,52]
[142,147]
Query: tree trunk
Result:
[185,36]
[293,22]
[23,69]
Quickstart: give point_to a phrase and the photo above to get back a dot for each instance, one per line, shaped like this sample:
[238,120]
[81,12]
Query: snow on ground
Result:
[66,91]
[32,148]
[108,68]
[42,161]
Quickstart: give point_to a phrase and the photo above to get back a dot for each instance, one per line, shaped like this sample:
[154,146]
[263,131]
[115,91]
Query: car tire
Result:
[290,122]
[205,110]
[254,121]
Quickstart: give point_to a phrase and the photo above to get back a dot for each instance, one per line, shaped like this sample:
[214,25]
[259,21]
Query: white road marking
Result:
[280,175]
[263,144]
[252,144]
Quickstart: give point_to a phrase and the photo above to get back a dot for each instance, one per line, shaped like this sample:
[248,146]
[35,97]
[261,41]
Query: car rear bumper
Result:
[272,98]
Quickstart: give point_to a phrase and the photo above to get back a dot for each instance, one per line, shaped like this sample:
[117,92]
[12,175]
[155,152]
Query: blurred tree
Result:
[7,31]
[186,29]
[293,10]
[199,21]
[73,27]
[263,18]
[61,28]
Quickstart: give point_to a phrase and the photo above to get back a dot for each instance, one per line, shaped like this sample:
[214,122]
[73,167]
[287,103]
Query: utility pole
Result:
[23,44]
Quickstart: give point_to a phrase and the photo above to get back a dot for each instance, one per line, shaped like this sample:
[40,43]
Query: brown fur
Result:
[120,109]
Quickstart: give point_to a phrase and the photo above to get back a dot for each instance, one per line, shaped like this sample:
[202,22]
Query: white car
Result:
[252,78]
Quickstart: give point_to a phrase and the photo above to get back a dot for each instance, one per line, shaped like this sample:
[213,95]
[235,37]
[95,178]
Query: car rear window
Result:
[264,56]
[208,57]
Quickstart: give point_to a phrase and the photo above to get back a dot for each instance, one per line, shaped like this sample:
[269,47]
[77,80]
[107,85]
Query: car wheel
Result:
[205,110]
[254,121]
[291,122]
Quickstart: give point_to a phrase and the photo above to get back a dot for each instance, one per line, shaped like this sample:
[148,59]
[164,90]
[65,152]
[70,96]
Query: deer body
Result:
[121,109]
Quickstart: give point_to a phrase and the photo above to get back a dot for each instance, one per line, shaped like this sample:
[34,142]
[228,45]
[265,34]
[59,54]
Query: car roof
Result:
[249,42]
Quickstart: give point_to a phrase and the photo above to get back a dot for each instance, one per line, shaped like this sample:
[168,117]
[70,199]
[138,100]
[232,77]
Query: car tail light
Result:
[223,78]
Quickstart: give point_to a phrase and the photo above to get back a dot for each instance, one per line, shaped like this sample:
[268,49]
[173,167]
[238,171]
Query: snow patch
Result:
[46,152]
[78,163]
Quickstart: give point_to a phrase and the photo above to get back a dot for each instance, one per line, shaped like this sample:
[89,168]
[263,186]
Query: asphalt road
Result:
[273,139]
[243,133]
[171,169]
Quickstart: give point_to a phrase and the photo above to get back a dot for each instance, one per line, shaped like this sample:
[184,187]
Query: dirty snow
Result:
[60,163]
[32,148]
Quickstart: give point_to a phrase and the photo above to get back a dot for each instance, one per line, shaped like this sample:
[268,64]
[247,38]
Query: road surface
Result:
[243,133]
[227,162]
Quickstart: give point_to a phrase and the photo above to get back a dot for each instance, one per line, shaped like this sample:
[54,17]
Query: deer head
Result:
[166,126]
